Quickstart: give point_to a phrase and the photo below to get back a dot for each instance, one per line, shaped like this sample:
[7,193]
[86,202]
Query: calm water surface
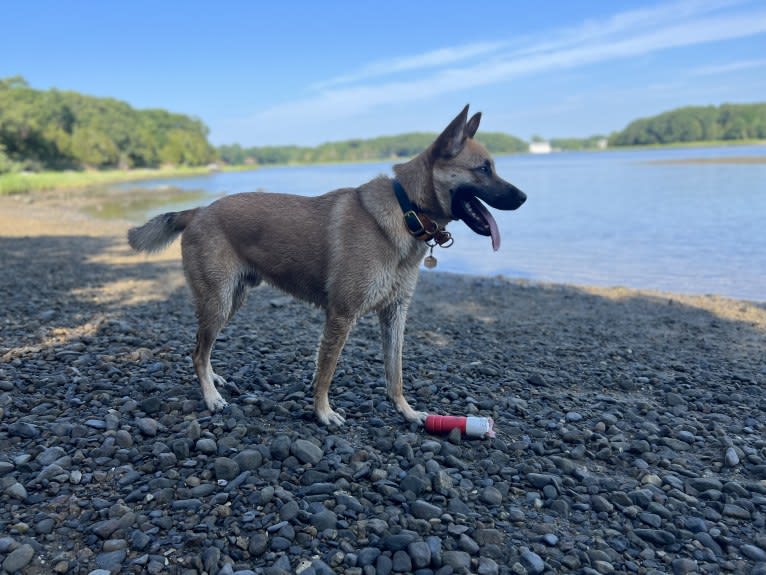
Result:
[610,219]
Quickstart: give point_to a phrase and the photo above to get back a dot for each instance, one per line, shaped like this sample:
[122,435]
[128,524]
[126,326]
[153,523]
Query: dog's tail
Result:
[160,231]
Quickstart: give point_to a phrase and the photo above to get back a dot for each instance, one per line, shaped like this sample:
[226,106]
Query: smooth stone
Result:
[532,561]
[226,468]
[420,554]
[206,446]
[18,558]
[324,519]
[148,426]
[17,491]
[425,510]
[306,451]
[459,561]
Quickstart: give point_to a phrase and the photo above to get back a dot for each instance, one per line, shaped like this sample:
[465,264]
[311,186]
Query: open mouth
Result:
[467,207]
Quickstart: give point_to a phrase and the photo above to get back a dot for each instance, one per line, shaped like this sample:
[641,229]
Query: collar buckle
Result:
[414,224]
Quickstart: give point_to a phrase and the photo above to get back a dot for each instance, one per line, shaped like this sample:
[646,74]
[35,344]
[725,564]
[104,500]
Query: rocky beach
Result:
[631,425]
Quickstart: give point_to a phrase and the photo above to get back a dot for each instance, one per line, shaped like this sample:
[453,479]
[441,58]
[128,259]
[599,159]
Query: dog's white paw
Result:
[410,414]
[331,418]
[418,417]
[215,402]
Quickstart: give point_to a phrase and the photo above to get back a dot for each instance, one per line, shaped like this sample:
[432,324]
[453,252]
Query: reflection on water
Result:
[628,218]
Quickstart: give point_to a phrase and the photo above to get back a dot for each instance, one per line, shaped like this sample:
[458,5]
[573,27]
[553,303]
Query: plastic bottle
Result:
[469,426]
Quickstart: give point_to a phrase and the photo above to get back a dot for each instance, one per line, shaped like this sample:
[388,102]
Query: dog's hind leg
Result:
[392,320]
[211,320]
[336,330]
[215,307]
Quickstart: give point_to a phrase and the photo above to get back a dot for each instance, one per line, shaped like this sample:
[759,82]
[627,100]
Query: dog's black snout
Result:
[519,197]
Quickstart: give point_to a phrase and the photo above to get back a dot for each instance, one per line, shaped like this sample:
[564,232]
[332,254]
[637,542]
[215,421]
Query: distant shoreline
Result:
[27,182]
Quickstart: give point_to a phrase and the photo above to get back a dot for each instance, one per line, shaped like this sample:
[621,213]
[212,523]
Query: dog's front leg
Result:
[392,320]
[336,331]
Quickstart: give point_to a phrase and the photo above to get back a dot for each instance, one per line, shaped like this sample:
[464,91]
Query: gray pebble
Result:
[736,511]
[367,556]
[488,566]
[425,510]
[249,459]
[324,519]
[532,561]
[306,451]
[401,562]
[50,455]
[18,558]
[289,511]
[420,554]
[17,491]
[491,496]
[682,566]
[398,541]
[550,539]
[148,426]
[280,447]
[459,561]
[226,468]
[111,560]
[701,484]
[23,429]
[206,446]
[659,537]
[753,552]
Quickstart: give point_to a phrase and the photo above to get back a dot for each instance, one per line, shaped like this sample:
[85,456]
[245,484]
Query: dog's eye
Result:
[485,168]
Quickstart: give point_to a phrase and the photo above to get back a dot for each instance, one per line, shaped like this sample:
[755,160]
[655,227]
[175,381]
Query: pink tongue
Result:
[494,232]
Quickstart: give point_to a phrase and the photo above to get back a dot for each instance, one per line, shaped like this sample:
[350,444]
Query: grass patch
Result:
[25,182]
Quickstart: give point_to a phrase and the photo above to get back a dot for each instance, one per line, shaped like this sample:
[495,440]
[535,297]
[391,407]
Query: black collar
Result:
[404,200]
[419,225]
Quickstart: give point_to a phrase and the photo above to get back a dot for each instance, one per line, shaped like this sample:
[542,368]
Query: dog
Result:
[350,251]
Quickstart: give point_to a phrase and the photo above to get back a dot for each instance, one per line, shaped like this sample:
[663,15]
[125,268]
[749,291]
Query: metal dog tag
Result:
[430,262]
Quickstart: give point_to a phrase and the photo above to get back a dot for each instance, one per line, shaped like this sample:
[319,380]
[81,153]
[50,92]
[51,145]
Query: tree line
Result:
[682,125]
[54,130]
[696,124]
[357,150]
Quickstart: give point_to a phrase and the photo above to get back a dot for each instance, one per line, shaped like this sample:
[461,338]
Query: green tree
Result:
[56,129]
[6,165]
[697,123]
[93,149]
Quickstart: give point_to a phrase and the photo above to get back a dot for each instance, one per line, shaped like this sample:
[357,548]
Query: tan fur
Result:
[347,251]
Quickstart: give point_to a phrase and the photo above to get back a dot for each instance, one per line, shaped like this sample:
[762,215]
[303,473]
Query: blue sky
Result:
[306,72]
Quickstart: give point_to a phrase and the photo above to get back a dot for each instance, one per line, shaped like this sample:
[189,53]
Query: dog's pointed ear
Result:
[473,125]
[451,141]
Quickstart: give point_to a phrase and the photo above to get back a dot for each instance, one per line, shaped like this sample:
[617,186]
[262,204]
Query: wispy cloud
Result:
[450,70]
[425,61]
[716,70]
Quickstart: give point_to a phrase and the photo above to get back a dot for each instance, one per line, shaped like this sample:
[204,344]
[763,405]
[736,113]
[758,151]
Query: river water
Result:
[655,219]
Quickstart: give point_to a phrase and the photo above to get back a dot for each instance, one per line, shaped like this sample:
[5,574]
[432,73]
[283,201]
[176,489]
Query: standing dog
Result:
[350,251]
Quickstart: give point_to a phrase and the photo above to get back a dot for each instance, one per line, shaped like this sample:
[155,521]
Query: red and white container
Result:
[468,426]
